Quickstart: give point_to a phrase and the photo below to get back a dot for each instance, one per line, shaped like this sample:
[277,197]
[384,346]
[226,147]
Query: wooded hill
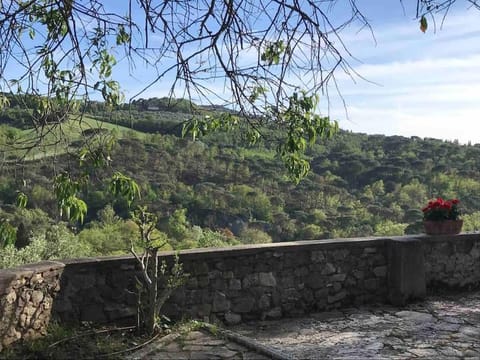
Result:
[359,185]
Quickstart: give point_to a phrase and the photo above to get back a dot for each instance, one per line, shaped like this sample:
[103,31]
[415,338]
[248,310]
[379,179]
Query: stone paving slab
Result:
[196,345]
[440,327]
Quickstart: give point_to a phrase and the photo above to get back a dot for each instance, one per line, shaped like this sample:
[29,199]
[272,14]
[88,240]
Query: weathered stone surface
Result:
[337,297]
[37,297]
[414,316]
[274,313]
[267,279]
[200,268]
[220,302]
[25,307]
[250,280]
[329,269]
[338,277]
[232,318]
[235,284]
[358,274]
[317,256]
[264,302]
[243,305]
[380,271]
[284,278]
[376,332]
[371,284]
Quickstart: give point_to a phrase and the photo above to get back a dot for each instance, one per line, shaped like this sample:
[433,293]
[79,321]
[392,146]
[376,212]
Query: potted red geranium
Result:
[442,217]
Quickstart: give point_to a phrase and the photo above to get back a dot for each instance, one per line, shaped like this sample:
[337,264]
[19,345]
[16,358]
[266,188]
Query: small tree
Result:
[150,298]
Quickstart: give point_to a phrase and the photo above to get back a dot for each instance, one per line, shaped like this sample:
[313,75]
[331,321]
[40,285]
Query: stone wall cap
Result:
[99,259]
[238,250]
[7,276]
[35,268]
[301,245]
[448,238]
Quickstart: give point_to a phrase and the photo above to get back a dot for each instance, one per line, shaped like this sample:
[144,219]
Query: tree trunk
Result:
[152,295]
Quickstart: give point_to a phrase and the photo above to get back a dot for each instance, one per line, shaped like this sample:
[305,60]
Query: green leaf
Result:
[22,200]
[8,234]
[423,24]
[124,186]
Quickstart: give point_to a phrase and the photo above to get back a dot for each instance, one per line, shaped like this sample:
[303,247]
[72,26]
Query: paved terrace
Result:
[440,327]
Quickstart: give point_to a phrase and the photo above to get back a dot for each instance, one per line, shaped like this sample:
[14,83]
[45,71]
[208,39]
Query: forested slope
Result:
[222,189]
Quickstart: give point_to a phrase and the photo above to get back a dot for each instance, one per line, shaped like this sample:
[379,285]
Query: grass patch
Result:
[83,342]
[60,139]
[88,342]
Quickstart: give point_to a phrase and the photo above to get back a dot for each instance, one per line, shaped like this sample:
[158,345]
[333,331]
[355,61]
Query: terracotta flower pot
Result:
[444,227]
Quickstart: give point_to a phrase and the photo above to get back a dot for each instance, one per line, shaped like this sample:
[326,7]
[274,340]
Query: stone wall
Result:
[245,282]
[235,284]
[26,300]
[281,280]
[452,262]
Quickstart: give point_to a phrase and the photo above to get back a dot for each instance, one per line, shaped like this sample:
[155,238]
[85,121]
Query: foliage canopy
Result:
[262,53]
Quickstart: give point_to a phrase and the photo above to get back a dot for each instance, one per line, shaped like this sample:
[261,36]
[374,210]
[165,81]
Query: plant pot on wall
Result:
[443,227]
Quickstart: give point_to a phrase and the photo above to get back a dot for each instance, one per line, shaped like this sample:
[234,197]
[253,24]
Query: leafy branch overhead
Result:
[258,52]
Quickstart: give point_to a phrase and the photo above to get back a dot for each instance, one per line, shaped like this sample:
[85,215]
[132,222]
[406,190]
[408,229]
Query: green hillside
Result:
[360,185]
[25,143]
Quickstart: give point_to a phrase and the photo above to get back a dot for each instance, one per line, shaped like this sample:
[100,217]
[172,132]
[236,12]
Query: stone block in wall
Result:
[371,284]
[200,268]
[406,270]
[232,318]
[337,297]
[340,254]
[317,256]
[94,313]
[250,280]
[264,302]
[301,271]
[475,252]
[315,281]
[380,271]
[218,284]
[220,302]
[267,279]
[337,277]
[116,312]
[204,310]
[358,274]
[203,281]
[463,246]
[234,284]
[369,250]
[262,266]
[274,313]
[329,269]
[243,304]
[288,281]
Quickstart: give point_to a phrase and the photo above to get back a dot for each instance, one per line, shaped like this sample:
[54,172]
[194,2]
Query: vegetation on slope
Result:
[220,190]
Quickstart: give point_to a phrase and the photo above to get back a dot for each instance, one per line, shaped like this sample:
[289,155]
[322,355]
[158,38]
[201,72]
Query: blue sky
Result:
[426,85]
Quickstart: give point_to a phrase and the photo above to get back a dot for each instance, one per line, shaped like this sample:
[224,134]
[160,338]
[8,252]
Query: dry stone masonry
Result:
[238,284]
[453,264]
[26,301]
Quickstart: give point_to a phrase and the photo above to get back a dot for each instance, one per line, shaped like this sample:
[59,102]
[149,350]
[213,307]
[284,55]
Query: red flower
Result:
[440,209]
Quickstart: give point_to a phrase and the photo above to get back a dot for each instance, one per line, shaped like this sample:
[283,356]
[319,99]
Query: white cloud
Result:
[427,86]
